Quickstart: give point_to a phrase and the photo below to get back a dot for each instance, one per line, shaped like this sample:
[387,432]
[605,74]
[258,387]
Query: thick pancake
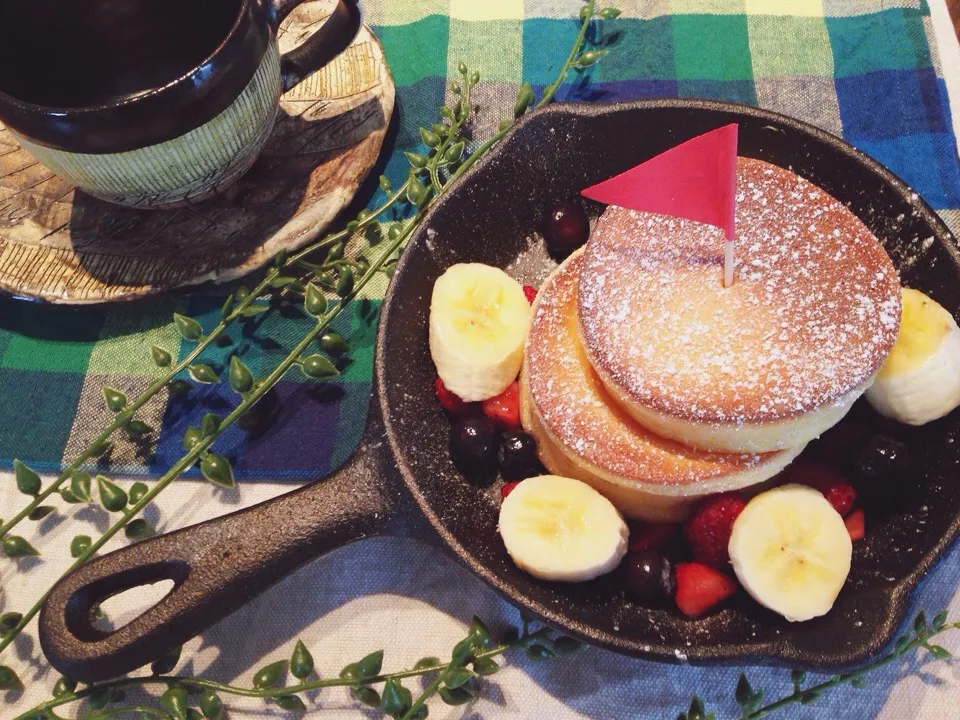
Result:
[582,433]
[768,363]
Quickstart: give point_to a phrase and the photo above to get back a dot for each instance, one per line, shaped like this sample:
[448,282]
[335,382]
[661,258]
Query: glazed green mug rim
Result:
[159,113]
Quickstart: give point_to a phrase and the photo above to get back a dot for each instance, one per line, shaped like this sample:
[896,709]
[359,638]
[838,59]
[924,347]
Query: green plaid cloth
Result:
[863,69]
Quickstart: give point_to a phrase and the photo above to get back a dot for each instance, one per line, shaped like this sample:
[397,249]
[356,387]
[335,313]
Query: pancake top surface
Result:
[574,406]
[813,312]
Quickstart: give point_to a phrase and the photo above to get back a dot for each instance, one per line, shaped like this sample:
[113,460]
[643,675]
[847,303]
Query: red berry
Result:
[508,488]
[530,292]
[451,402]
[504,409]
[856,525]
[829,482]
[700,587]
[651,536]
[707,532]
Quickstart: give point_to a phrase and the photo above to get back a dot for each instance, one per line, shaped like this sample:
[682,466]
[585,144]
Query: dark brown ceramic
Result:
[402,480]
[152,103]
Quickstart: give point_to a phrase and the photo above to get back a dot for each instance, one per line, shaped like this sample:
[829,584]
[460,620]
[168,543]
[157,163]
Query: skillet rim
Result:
[780,652]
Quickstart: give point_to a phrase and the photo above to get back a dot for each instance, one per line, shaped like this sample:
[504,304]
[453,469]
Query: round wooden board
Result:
[63,246]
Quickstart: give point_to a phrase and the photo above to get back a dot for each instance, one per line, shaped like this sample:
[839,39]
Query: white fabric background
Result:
[411,601]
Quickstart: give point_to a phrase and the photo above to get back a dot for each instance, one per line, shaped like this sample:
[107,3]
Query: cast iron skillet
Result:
[402,472]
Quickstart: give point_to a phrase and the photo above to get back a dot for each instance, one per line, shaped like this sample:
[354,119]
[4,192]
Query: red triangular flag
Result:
[694,180]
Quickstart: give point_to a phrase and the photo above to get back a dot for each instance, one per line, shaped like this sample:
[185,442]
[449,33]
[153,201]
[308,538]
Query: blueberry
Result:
[649,575]
[565,228]
[473,445]
[518,456]
[883,459]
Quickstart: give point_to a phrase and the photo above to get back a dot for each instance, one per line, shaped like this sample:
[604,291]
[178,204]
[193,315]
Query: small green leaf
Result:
[939,620]
[100,698]
[202,373]
[525,98]
[798,677]
[584,13]
[463,651]
[446,112]
[79,545]
[166,662]
[696,711]
[333,343]
[174,701]
[8,678]
[191,436]
[290,702]
[368,696]
[28,482]
[301,662]
[64,686]
[270,675]
[209,424]
[211,705]
[859,682]
[241,293]
[462,67]
[453,153]
[115,400]
[565,645]
[416,160]
[137,429]
[80,485]
[227,306]
[920,623]
[427,662]
[455,88]
[178,387]
[69,497]
[440,129]
[370,665]
[161,358]
[454,696]
[539,652]
[138,529]
[15,546]
[809,696]
[193,714]
[385,184]
[350,672]
[137,491]
[420,713]
[39,513]
[188,328]
[609,13]
[430,138]
[217,469]
[590,57]
[458,676]
[478,631]
[396,699]
[253,310]
[416,192]
[318,367]
[9,622]
[112,497]
[485,666]
[474,77]
[315,301]
[345,282]
[940,653]
[241,379]
[281,281]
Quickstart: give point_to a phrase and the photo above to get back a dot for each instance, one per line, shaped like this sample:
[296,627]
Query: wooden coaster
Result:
[63,246]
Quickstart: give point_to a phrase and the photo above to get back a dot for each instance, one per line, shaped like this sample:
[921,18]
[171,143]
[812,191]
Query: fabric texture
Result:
[866,69]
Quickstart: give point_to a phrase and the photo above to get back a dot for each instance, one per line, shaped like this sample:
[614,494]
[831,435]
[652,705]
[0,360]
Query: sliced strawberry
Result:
[648,536]
[504,409]
[829,482]
[700,587]
[530,292]
[856,524]
[452,403]
[708,529]
[508,488]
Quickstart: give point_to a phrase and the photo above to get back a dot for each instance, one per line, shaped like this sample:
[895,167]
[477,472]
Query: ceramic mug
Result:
[152,103]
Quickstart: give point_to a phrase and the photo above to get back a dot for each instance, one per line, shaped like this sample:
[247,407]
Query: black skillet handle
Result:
[328,41]
[216,566]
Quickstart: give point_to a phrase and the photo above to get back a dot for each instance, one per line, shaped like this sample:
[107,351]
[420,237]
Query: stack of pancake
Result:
[646,378]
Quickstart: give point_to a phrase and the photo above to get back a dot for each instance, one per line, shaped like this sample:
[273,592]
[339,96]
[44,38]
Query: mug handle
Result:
[329,40]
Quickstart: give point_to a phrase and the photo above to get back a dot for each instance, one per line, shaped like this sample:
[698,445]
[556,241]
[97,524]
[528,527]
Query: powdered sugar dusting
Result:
[577,411]
[812,314]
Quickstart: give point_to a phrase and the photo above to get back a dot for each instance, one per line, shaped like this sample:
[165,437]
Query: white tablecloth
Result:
[410,600]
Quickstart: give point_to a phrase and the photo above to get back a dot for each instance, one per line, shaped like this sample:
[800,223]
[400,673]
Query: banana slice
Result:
[791,551]
[557,528]
[920,380]
[479,319]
